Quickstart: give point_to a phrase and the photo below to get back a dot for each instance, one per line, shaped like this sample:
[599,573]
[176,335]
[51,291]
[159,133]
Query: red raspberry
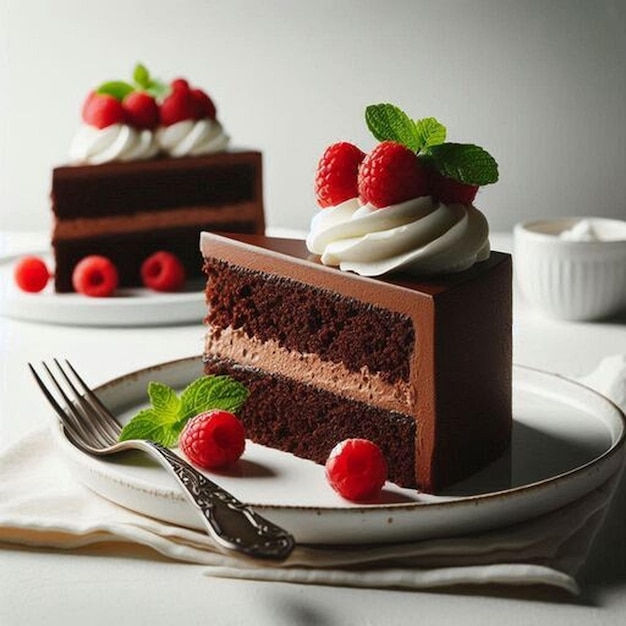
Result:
[31,274]
[178,106]
[163,271]
[337,174]
[102,110]
[213,439]
[141,110]
[390,174]
[356,469]
[451,191]
[95,276]
[179,84]
[203,104]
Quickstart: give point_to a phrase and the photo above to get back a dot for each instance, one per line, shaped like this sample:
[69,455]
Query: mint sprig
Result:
[165,419]
[466,163]
[142,81]
[145,81]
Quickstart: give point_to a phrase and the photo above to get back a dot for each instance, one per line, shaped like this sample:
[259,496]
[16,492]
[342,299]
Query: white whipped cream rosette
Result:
[118,142]
[192,138]
[419,236]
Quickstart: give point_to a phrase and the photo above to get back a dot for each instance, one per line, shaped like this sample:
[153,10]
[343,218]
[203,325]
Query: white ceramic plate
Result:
[567,440]
[128,307]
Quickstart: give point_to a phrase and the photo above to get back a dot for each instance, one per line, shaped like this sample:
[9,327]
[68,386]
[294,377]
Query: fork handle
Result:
[233,524]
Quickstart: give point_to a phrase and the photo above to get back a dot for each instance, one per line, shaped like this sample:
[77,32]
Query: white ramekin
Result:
[570,279]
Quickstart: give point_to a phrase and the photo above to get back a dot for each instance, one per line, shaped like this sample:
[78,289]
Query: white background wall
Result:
[540,83]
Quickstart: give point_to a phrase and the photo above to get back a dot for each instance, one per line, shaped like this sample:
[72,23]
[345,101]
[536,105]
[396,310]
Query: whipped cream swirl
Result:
[419,236]
[192,138]
[118,142]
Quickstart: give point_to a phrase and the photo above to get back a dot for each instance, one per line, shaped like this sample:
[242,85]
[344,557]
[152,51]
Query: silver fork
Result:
[91,427]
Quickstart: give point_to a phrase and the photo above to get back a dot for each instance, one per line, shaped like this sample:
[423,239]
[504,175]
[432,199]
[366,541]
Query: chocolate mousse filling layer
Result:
[308,368]
[220,217]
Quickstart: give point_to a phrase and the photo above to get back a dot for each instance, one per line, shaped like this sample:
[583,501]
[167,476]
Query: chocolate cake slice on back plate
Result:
[150,167]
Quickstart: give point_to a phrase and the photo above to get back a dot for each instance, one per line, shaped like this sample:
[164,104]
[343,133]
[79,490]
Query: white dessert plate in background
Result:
[128,307]
[567,440]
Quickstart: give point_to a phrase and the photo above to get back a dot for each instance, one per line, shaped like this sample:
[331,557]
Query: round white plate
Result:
[567,440]
[128,307]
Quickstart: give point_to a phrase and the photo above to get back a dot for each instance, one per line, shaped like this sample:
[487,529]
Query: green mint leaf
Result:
[466,163]
[150,424]
[116,88]
[165,419]
[212,392]
[157,88]
[389,123]
[164,400]
[141,76]
[430,132]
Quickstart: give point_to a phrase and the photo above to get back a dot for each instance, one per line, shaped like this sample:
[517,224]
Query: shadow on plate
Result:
[535,455]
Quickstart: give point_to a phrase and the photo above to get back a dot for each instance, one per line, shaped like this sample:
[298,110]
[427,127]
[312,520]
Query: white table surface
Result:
[39,586]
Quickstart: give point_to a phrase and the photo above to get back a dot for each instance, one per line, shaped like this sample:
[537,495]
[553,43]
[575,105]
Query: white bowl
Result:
[572,268]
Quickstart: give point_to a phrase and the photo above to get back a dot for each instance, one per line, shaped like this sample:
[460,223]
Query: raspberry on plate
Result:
[390,174]
[213,439]
[31,274]
[337,174]
[95,276]
[356,469]
[163,271]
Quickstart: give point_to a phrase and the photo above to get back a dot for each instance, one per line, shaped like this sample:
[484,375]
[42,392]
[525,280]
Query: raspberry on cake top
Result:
[406,206]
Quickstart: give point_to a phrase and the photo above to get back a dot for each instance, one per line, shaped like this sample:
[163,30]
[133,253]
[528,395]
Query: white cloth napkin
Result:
[42,505]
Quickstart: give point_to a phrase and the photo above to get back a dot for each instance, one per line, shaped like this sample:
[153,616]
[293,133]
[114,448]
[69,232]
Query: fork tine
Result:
[67,419]
[106,421]
[91,420]
[77,410]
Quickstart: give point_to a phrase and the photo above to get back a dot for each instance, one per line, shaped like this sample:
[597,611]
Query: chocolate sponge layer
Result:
[109,189]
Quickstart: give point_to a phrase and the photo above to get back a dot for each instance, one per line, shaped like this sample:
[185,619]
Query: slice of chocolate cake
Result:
[420,367]
[127,210]
[150,168]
